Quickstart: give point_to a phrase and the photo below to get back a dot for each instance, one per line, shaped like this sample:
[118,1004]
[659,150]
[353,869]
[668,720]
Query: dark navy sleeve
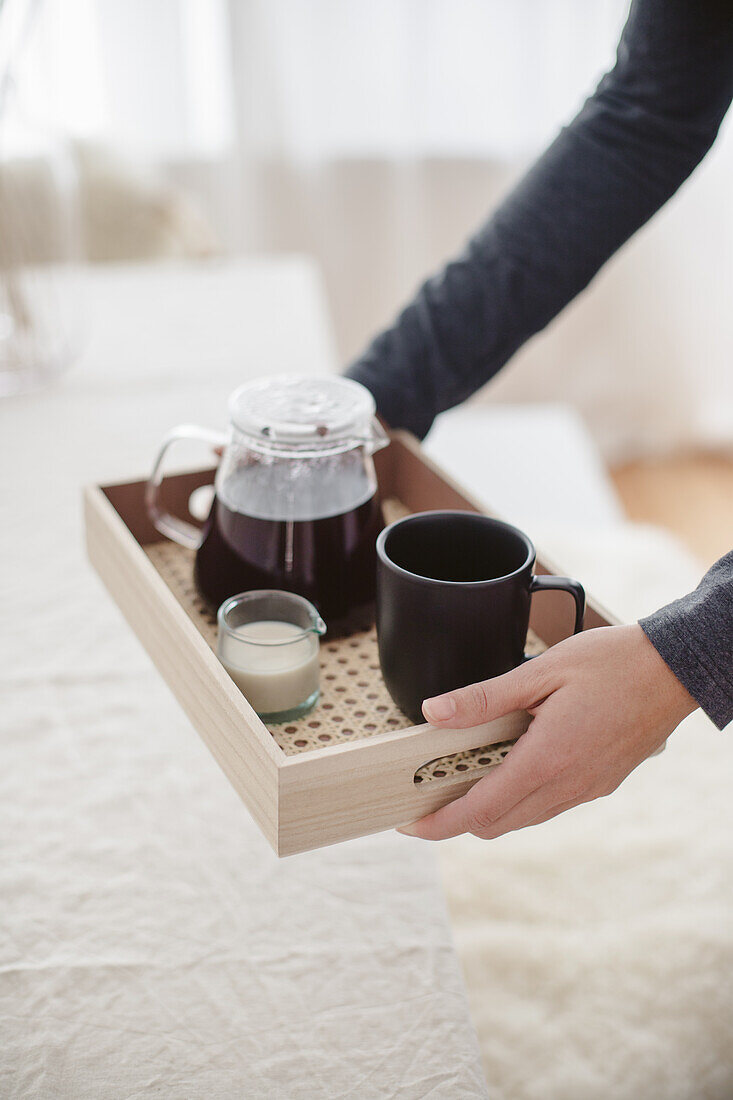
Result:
[694,636]
[649,123]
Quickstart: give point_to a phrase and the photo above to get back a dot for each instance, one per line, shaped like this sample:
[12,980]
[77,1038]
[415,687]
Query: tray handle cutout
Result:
[462,766]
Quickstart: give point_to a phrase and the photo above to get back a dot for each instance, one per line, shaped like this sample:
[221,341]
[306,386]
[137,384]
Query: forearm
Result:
[694,636]
[651,120]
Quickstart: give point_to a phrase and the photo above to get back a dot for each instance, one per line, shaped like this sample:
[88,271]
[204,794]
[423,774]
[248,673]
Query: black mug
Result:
[453,601]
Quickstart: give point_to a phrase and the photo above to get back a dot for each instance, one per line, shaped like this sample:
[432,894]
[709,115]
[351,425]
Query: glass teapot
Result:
[295,505]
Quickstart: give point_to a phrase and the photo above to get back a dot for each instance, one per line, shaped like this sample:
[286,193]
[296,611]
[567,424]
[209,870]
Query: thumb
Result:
[470,706]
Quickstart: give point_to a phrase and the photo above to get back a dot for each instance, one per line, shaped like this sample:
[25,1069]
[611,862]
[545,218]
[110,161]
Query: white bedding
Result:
[150,943]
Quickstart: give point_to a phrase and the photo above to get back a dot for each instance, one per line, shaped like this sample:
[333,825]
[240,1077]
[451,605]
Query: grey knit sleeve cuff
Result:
[694,637]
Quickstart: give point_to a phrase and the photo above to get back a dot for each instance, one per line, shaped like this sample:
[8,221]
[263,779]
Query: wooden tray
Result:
[353,765]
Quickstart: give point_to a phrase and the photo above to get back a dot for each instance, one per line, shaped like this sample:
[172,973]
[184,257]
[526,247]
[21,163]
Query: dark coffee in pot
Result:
[296,505]
[331,560]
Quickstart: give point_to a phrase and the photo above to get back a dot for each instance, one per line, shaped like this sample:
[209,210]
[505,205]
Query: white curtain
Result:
[376,135]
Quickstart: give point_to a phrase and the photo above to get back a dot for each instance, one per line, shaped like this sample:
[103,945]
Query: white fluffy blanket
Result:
[598,948]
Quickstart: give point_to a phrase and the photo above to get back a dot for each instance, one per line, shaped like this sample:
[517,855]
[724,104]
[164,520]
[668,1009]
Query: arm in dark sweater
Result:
[649,123]
[636,140]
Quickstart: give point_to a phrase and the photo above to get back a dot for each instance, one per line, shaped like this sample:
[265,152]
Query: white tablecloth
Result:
[150,943]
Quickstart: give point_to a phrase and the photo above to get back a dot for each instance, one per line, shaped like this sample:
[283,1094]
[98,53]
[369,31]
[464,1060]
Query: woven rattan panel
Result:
[354,702]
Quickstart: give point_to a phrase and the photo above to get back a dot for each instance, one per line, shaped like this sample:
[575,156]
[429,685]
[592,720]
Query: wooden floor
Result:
[691,495]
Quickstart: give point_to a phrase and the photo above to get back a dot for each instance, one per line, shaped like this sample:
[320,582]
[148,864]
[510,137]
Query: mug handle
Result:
[564,584]
[179,530]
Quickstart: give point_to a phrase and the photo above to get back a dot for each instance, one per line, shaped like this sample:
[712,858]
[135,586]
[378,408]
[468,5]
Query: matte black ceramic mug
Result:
[453,601]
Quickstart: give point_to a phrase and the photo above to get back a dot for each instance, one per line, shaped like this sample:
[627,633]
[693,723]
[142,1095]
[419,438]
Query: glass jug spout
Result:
[318,627]
[378,439]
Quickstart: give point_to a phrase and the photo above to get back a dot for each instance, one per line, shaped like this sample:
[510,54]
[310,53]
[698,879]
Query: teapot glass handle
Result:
[182,532]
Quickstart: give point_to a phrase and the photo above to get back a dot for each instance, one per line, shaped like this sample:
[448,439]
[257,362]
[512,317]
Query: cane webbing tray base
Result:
[353,766]
[354,701]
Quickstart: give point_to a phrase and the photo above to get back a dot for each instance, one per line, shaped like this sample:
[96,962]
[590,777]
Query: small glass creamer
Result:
[269,644]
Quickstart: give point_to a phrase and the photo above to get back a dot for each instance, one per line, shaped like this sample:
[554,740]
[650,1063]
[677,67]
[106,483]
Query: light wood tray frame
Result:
[306,786]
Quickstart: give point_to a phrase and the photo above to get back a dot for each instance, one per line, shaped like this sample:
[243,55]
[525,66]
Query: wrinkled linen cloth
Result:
[150,942]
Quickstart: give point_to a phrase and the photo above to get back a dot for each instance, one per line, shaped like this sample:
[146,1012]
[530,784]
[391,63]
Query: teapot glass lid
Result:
[303,409]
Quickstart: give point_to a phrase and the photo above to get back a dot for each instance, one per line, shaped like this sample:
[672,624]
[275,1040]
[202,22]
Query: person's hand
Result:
[601,702]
